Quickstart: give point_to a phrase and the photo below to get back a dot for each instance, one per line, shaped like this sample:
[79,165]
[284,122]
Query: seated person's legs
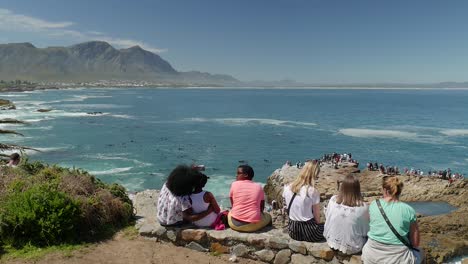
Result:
[249,227]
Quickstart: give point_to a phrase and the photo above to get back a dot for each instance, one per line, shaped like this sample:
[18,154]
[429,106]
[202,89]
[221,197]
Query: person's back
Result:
[248,202]
[347,217]
[201,200]
[400,215]
[346,227]
[247,196]
[383,245]
[199,205]
[303,205]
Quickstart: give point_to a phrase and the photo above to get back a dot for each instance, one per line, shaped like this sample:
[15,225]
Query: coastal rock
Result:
[298,246]
[172,235]
[44,110]
[353,260]
[265,255]
[193,235]
[301,259]
[6,105]
[320,250]
[240,250]
[218,248]
[258,241]
[196,246]
[282,257]
[278,243]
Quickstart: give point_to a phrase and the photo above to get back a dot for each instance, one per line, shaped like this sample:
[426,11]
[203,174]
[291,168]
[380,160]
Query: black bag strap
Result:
[402,239]
[290,202]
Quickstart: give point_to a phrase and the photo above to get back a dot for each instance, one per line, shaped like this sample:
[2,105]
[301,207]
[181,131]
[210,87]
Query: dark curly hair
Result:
[182,180]
[202,182]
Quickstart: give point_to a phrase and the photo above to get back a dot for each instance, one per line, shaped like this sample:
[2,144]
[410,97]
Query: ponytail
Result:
[393,185]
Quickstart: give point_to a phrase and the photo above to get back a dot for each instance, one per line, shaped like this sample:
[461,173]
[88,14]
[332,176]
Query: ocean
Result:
[136,136]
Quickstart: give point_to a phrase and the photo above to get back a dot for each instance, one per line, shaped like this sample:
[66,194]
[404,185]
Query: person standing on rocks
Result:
[174,207]
[248,203]
[347,217]
[394,232]
[303,202]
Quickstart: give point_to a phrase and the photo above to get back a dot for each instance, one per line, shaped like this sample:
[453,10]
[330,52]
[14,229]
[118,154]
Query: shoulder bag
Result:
[402,239]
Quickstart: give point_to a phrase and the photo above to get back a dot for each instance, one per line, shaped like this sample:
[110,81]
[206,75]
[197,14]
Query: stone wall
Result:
[272,245]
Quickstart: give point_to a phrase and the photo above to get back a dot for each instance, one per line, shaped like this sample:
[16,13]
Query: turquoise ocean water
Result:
[142,134]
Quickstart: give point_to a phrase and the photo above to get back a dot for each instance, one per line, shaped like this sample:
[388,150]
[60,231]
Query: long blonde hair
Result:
[306,177]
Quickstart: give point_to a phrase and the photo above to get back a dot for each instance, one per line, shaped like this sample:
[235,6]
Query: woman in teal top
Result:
[383,246]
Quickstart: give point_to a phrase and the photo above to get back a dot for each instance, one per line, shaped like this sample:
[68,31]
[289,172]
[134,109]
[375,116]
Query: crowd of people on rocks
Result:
[446,174]
[333,158]
[385,231]
[336,158]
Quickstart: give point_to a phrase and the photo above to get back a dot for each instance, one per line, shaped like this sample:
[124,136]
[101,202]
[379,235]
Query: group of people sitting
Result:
[386,231]
[183,200]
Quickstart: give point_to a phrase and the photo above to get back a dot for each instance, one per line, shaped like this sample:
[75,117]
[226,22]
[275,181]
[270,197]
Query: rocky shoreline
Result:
[443,236]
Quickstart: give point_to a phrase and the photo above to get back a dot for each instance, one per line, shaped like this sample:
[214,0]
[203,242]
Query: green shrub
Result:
[40,215]
[32,167]
[44,205]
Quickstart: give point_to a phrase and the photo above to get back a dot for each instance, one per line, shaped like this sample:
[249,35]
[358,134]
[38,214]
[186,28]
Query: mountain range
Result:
[96,60]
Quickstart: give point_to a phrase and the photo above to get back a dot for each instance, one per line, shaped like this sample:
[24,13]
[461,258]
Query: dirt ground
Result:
[122,249]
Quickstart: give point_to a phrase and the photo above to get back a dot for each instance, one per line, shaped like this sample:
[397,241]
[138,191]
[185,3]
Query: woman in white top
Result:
[303,205]
[347,218]
[201,201]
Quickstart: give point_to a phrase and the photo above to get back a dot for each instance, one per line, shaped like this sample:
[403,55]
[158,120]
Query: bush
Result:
[40,216]
[45,205]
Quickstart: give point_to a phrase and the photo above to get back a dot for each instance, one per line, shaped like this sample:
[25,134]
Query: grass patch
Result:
[130,232]
[31,252]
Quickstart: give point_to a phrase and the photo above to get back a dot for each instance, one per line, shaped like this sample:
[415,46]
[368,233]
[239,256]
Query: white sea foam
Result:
[13,95]
[134,184]
[37,150]
[192,132]
[360,132]
[455,132]
[110,171]
[118,157]
[251,121]
[95,106]
[422,136]
[34,128]
[121,116]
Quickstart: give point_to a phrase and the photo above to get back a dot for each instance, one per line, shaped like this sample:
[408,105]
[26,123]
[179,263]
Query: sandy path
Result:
[122,250]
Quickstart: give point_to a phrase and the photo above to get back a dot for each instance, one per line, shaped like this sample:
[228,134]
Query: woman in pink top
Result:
[248,202]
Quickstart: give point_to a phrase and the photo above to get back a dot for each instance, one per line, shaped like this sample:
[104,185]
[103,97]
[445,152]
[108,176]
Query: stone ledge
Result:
[272,245]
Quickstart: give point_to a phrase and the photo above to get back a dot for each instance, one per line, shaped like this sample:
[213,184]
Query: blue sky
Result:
[326,41]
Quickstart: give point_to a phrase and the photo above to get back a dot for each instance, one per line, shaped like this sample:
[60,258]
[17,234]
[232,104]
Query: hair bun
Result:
[393,185]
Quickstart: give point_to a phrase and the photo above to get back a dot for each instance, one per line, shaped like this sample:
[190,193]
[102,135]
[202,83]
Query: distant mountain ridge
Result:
[95,60]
